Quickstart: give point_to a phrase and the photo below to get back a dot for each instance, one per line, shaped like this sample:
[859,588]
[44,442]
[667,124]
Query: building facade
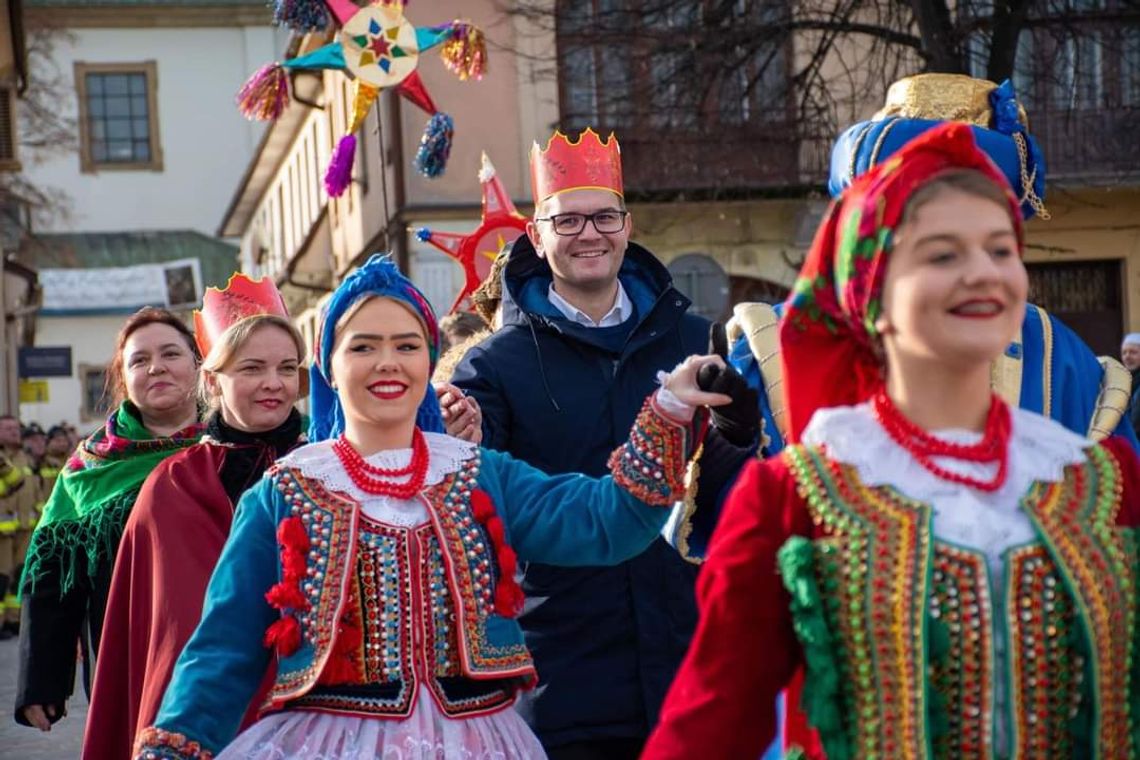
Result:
[292,231]
[18,283]
[724,184]
[158,149]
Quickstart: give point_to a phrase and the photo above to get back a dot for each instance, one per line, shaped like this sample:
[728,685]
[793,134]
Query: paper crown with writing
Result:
[377,47]
[240,299]
[587,164]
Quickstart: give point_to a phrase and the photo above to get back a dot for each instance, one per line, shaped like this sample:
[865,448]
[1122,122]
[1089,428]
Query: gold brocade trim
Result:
[689,508]
[1006,374]
[1113,399]
[759,325]
[1047,363]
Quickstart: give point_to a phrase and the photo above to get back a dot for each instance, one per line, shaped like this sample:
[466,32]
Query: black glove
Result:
[739,421]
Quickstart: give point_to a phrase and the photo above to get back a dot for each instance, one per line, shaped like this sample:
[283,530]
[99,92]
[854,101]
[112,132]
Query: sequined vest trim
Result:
[454,561]
[910,618]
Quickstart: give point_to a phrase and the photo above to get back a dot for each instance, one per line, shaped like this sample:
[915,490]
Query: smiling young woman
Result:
[950,577]
[153,376]
[251,380]
[387,551]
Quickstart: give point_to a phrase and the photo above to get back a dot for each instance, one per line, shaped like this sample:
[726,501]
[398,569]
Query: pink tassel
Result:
[265,94]
[339,173]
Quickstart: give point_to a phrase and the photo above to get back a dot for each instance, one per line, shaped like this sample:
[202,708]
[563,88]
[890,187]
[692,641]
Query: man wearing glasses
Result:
[588,320]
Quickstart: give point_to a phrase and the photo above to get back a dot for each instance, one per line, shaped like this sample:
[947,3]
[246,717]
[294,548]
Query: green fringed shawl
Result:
[84,518]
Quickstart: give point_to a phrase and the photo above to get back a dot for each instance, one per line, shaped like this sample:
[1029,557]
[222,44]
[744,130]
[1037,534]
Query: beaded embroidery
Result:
[472,569]
[158,744]
[331,524]
[1077,519]
[1072,592]
[1045,673]
[964,677]
[648,464]
[455,603]
[883,541]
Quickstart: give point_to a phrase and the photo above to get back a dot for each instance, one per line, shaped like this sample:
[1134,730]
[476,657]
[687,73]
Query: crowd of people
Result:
[895,516]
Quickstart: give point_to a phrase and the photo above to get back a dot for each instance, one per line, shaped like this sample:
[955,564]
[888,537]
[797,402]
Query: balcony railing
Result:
[1090,145]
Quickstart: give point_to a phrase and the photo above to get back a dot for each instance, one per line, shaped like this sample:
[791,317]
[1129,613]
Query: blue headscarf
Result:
[378,277]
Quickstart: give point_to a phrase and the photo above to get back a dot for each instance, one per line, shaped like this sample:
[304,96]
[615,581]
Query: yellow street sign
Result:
[33,391]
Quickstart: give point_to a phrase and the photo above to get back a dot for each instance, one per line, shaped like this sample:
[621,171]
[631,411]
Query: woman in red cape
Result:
[251,378]
[951,578]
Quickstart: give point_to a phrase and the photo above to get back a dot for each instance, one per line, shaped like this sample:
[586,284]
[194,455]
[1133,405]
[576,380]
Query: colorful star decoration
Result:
[378,48]
[501,225]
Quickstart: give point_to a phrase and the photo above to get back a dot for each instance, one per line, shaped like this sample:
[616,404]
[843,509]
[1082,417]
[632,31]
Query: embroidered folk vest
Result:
[898,628]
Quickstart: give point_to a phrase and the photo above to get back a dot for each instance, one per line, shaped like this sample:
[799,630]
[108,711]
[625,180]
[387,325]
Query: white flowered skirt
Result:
[427,734]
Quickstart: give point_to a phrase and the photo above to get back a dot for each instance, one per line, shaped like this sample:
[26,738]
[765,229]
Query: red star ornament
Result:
[502,224]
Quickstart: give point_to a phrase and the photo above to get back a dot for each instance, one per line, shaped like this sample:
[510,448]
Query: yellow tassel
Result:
[365,96]
[465,54]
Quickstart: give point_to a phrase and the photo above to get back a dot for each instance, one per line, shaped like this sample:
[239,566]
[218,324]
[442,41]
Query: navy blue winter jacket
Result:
[606,640]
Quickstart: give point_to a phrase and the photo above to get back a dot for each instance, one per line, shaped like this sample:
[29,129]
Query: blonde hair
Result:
[231,341]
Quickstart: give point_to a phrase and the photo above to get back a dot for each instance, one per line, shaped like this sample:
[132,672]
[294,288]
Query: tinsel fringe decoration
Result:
[465,54]
[265,94]
[435,146]
[339,173]
[301,15]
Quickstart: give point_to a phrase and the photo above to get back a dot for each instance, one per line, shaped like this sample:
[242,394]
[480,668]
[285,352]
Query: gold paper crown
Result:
[588,164]
[943,97]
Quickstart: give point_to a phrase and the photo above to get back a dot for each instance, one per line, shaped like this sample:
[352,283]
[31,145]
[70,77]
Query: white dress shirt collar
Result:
[620,312]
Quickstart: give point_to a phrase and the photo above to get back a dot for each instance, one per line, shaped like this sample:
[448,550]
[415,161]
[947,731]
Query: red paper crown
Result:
[588,164]
[241,298]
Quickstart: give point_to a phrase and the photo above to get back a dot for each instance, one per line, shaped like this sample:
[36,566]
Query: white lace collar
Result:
[1040,449]
[318,461]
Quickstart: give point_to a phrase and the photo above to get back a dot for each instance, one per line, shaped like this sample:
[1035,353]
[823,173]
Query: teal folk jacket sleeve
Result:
[576,520]
[219,671]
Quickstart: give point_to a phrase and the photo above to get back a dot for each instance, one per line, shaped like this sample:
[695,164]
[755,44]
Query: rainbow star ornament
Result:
[502,224]
[378,48]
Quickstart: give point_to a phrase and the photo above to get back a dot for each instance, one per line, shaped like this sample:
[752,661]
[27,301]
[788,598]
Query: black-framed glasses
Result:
[605,222]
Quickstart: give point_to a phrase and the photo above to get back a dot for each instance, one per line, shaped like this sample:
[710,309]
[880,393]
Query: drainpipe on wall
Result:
[395,232]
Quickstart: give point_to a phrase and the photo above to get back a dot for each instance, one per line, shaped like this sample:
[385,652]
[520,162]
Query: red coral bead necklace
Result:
[924,447]
[380,481]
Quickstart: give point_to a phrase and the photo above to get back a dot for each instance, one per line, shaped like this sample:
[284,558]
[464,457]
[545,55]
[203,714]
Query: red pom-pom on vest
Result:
[284,635]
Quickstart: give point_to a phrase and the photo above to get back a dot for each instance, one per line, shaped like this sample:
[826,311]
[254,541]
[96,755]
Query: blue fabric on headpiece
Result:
[868,143]
[379,276]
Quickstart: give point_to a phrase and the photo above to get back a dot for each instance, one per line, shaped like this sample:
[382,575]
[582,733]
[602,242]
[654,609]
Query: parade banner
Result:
[113,290]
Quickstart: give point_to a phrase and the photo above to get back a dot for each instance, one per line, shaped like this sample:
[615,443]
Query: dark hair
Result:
[116,387]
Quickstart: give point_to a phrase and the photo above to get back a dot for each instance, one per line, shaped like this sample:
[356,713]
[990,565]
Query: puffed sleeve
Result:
[722,702]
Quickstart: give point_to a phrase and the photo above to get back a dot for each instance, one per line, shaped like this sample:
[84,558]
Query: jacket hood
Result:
[527,278]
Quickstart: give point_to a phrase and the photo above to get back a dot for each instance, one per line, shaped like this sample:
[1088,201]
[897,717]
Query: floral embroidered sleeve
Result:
[156,744]
[576,520]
